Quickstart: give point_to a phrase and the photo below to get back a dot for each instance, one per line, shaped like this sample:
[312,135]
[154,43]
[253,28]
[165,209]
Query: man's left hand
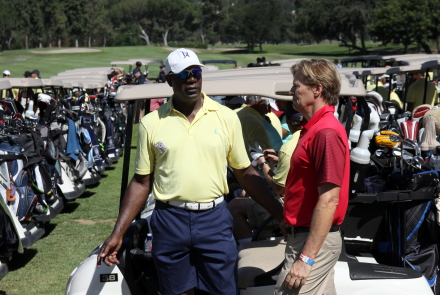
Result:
[298,275]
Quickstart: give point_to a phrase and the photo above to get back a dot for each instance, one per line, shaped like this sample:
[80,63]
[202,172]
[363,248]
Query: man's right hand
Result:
[109,250]
[271,156]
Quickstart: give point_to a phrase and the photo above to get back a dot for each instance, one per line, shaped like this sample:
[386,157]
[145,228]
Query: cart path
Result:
[67,50]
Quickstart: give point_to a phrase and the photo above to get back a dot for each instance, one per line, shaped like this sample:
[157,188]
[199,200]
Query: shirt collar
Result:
[319,114]
[208,104]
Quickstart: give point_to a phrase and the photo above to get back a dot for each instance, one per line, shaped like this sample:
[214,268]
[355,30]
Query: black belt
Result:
[301,229]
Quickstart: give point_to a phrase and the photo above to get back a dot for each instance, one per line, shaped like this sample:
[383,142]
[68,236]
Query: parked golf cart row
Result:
[393,216]
[51,147]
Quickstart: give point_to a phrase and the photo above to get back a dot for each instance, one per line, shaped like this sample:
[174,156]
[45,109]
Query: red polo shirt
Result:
[322,155]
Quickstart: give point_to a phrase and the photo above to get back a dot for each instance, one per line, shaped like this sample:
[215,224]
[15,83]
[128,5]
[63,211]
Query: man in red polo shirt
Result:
[316,195]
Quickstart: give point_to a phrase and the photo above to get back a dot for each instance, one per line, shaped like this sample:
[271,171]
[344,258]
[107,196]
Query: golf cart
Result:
[132,64]
[258,262]
[27,232]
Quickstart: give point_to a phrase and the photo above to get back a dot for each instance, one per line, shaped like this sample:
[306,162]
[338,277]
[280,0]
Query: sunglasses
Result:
[185,74]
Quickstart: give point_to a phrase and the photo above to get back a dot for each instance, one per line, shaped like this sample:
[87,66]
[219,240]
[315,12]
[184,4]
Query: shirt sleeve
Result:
[144,162]
[284,161]
[328,155]
[237,155]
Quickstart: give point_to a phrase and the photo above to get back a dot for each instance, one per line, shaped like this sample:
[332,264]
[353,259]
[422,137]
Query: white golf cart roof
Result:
[4,84]
[77,84]
[287,62]
[101,78]
[53,82]
[67,84]
[132,62]
[146,61]
[90,85]
[210,68]
[417,66]
[273,86]
[25,82]
[370,71]
[92,69]
[84,72]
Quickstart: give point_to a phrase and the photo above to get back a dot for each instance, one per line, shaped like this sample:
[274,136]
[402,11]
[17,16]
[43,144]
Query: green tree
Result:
[170,14]
[255,22]
[406,22]
[211,14]
[137,14]
[342,20]
[7,24]
[76,19]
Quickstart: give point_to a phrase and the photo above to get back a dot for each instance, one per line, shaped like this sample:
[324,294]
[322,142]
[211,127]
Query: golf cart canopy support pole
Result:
[127,150]
[426,85]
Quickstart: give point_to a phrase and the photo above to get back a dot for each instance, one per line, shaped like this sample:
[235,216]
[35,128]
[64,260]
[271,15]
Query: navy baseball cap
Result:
[292,114]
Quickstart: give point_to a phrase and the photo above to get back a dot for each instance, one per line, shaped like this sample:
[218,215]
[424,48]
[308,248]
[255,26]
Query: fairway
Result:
[19,61]
[44,268]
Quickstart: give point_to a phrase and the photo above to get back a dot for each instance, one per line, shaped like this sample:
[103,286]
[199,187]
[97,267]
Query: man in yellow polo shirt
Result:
[246,213]
[251,116]
[416,92]
[187,144]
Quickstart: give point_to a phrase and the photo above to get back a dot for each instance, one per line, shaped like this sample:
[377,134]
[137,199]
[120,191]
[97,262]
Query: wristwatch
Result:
[260,165]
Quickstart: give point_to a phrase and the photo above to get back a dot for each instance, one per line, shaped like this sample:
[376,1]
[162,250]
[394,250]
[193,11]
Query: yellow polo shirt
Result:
[285,154]
[253,128]
[371,84]
[189,160]
[417,90]
[276,123]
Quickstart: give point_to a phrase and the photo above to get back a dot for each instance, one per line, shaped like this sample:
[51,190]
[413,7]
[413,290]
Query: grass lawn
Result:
[19,61]
[44,268]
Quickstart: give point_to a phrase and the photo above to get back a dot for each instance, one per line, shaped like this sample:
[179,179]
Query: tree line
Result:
[28,24]
[61,23]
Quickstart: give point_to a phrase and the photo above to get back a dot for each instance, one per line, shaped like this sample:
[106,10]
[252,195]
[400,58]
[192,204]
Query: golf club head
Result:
[395,138]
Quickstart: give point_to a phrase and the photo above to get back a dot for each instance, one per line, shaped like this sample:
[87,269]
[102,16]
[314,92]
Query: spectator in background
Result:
[6,74]
[27,74]
[138,66]
[336,62]
[36,74]
[273,116]
[383,90]
[234,102]
[162,74]
[139,78]
[75,93]
[246,213]
[251,117]
[416,93]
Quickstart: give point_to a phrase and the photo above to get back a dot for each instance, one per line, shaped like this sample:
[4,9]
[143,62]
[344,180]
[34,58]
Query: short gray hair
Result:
[252,99]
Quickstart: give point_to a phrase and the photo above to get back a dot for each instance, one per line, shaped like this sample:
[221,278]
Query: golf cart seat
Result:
[258,258]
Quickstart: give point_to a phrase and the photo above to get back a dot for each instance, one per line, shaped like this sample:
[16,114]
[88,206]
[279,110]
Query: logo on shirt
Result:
[161,147]
[215,131]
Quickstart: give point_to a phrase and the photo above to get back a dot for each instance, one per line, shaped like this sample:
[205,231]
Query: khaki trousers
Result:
[321,278]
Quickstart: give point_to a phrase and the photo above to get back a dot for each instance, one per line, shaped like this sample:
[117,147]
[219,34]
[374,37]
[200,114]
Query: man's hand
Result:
[271,156]
[109,250]
[297,275]
[256,152]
